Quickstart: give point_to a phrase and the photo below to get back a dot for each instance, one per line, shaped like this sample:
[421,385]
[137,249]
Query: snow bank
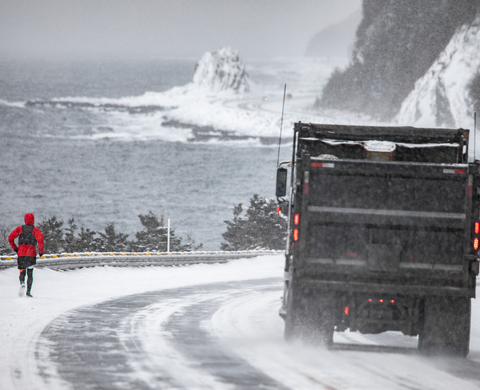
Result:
[440,98]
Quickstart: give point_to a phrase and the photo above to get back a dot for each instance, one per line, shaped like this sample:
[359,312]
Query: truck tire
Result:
[446,326]
[310,317]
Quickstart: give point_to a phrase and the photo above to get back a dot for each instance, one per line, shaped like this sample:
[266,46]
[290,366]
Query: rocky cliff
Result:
[221,70]
[443,96]
[397,44]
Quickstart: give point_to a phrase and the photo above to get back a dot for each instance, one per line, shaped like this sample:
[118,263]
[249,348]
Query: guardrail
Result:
[125,259]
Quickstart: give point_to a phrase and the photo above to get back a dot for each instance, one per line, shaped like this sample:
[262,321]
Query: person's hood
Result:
[29,219]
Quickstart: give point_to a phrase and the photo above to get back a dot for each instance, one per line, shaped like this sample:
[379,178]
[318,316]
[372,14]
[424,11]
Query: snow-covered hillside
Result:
[441,96]
[400,43]
[222,70]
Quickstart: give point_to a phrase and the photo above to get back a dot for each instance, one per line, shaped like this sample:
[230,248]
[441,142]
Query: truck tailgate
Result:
[392,218]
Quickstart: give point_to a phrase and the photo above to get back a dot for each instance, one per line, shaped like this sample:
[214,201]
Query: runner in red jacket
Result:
[28,238]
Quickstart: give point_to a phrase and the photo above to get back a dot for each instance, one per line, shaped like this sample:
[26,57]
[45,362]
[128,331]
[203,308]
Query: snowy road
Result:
[153,340]
[196,327]
[225,335]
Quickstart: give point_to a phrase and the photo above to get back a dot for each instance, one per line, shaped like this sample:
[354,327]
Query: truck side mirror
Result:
[281,189]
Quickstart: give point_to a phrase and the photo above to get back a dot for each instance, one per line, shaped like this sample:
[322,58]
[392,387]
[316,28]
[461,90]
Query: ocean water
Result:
[47,169]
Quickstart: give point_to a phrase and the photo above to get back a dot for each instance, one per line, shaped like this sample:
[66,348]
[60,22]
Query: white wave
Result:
[12,104]
[255,114]
[193,107]
[129,134]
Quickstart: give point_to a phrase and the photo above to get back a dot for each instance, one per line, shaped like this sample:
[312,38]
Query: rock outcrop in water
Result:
[222,70]
[398,43]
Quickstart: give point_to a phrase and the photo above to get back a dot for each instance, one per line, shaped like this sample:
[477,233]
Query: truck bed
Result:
[402,222]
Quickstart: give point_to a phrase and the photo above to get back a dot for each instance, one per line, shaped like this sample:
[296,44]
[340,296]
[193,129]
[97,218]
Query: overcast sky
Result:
[164,28]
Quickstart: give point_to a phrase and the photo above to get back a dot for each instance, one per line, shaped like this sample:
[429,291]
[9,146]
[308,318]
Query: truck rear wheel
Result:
[446,326]
[310,318]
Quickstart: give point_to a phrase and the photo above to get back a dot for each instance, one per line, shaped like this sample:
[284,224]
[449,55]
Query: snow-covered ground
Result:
[236,308]
[55,292]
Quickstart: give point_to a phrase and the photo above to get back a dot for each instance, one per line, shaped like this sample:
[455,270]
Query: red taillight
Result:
[296,219]
[476,232]
[380,300]
[278,210]
[392,301]
[370,300]
[323,165]
[346,310]
[295,234]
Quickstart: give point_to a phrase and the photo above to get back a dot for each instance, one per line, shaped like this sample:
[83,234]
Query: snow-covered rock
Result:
[222,70]
[441,96]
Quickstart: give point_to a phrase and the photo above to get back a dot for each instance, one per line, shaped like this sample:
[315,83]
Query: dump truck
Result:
[383,233]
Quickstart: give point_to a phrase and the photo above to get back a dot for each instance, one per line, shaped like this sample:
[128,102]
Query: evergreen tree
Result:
[86,241]
[191,245]
[153,237]
[236,231]
[5,248]
[111,241]
[70,241]
[261,227]
[52,234]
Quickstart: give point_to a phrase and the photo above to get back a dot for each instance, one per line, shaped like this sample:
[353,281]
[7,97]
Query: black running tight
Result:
[29,272]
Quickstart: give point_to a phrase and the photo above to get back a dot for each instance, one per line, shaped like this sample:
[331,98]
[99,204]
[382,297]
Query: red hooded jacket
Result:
[28,248]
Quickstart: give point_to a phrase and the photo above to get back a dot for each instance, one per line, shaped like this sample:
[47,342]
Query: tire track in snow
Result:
[146,341]
[251,327]
[190,338]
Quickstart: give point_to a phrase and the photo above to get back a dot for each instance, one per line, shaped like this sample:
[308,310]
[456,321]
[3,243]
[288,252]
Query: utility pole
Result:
[168,236]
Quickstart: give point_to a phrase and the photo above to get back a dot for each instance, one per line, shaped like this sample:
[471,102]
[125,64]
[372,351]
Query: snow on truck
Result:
[383,234]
